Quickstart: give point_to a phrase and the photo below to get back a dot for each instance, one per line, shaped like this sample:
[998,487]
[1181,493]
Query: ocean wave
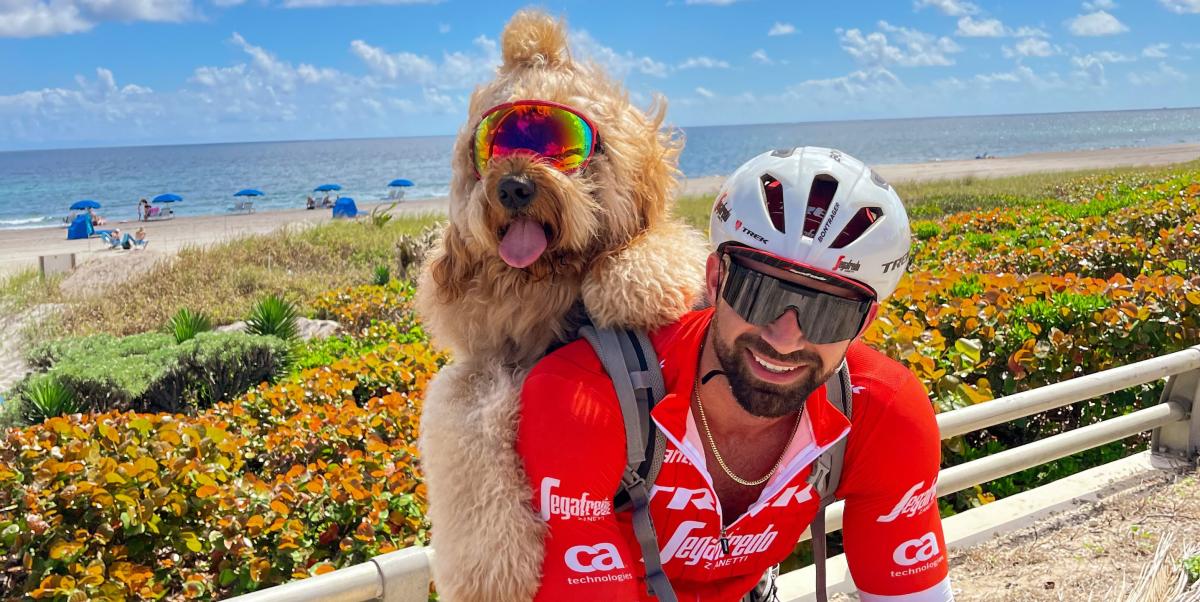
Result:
[26,222]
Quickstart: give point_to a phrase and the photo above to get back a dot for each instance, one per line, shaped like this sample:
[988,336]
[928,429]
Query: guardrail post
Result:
[404,574]
[1180,441]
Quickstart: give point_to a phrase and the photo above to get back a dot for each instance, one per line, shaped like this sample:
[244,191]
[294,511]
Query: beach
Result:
[20,248]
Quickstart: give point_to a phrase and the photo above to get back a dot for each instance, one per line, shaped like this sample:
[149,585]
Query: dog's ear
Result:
[452,268]
[657,170]
[534,39]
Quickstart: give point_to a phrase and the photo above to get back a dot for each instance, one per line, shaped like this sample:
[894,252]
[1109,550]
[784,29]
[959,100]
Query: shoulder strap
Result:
[632,364]
[827,472]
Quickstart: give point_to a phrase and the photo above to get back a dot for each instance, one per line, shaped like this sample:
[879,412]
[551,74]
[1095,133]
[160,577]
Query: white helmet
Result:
[819,208]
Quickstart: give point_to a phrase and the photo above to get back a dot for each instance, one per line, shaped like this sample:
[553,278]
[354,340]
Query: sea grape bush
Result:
[289,480]
[1007,300]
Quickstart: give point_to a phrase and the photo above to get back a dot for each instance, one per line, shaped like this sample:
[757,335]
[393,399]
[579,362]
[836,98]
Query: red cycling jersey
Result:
[572,440]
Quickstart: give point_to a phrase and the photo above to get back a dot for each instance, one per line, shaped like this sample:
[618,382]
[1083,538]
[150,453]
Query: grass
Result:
[225,280]
[23,289]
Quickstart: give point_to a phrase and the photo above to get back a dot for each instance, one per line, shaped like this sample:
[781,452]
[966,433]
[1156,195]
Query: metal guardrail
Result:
[404,575]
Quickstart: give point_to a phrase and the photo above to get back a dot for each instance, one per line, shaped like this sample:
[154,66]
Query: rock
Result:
[305,329]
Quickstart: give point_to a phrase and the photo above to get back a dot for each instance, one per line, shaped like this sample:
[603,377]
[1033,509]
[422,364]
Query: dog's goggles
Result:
[761,299]
[556,133]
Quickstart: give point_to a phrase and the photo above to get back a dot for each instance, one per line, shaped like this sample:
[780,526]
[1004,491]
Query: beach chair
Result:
[159,213]
[245,205]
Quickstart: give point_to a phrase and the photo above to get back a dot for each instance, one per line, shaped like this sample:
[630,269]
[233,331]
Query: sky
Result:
[133,72]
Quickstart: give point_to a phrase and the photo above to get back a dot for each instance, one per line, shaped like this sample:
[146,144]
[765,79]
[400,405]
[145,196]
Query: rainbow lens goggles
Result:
[556,134]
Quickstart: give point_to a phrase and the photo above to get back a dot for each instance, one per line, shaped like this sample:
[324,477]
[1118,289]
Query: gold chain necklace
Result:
[717,454]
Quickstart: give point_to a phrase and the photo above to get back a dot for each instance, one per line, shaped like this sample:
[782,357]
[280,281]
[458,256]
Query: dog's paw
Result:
[653,281]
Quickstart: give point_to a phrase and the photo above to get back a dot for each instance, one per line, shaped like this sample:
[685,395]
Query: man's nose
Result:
[784,333]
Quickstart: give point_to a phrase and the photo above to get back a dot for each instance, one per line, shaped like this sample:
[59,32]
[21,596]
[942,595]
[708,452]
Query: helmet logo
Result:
[738,224]
[828,222]
[846,265]
[722,208]
[898,264]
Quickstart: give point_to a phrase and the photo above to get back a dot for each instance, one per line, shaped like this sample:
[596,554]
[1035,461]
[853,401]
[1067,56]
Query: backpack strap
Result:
[632,364]
[827,473]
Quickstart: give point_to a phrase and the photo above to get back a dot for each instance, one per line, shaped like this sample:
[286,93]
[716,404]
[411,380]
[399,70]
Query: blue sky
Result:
[116,72]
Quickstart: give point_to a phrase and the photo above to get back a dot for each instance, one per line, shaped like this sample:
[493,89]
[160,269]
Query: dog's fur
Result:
[614,254]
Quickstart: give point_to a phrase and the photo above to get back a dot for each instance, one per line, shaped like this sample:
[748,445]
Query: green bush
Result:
[186,324]
[150,372]
[273,316]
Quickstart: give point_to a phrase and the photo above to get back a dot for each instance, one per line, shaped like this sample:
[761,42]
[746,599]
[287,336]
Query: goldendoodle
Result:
[559,213]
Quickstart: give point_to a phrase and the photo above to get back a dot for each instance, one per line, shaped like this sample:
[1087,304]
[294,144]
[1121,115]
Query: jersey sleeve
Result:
[892,530]
[572,442]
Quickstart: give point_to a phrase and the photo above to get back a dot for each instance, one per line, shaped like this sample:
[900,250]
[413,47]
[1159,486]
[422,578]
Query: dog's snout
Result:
[516,191]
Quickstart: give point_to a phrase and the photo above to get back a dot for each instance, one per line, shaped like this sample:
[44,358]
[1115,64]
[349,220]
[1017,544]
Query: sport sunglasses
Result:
[556,133]
[761,298]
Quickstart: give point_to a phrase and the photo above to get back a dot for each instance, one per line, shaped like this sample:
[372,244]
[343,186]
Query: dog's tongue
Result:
[523,243]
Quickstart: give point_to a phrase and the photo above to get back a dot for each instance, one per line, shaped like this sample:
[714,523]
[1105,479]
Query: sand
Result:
[19,249]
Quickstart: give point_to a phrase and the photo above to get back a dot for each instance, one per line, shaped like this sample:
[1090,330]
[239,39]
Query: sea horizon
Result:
[38,186]
[680,127]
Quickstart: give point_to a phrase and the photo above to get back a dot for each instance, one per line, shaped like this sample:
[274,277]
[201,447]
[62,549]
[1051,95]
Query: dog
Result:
[531,252]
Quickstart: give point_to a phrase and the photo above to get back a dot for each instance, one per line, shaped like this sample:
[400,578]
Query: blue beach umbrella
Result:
[84,204]
[327,187]
[248,192]
[401,182]
[167,198]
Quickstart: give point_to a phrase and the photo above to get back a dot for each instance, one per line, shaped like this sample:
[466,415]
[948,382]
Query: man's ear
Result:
[712,278]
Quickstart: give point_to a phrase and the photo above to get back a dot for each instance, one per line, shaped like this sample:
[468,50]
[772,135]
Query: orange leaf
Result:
[207,491]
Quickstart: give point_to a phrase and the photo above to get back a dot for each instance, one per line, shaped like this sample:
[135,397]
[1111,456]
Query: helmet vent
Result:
[773,197]
[857,225]
[819,197]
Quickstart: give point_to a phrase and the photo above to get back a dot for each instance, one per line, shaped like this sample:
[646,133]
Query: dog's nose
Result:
[516,191]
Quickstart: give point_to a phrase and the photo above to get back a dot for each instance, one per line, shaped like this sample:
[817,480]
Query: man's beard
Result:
[764,399]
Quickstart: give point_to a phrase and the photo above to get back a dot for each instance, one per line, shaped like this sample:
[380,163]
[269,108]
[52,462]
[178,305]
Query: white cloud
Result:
[1182,6]
[36,18]
[66,112]
[617,64]
[760,56]
[875,81]
[444,28]
[1022,75]
[703,62]
[1098,23]
[1108,56]
[705,92]
[968,27]
[1099,5]
[324,3]
[1030,32]
[455,70]
[1192,45]
[1156,51]
[953,8]
[1090,68]
[1164,75]
[913,48]
[1031,47]
[782,29]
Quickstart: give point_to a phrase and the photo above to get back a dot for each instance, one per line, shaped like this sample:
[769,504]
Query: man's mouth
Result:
[523,241]
[772,366]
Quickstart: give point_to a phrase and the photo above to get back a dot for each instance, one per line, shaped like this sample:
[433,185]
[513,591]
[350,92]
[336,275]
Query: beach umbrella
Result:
[401,182]
[84,204]
[327,187]
[248,192]
[167,198]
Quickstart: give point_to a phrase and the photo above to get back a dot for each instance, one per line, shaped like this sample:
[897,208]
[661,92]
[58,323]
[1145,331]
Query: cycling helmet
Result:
[824,212]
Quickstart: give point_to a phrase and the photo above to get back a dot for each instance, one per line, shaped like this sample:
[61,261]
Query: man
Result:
[808,243]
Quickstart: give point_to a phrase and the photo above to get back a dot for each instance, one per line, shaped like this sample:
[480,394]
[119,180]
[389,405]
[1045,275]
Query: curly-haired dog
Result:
[530,250]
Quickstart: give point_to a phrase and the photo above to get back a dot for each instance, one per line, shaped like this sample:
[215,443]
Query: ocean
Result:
[37,187]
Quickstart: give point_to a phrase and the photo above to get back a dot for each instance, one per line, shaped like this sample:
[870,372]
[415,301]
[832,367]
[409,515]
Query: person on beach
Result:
[311,203]
[96,219]
[808,243]
[143,210]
